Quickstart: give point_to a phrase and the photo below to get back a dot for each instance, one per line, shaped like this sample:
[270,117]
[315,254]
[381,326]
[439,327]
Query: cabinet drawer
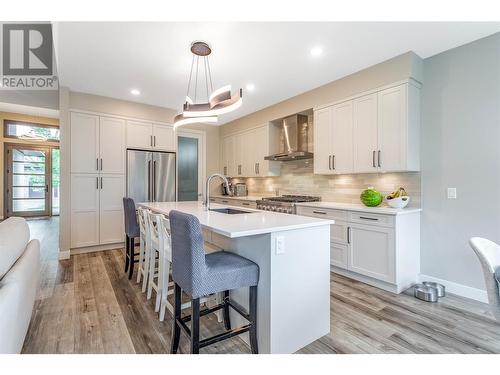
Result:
[247,204]
[324,213]
[371,219]
[338,255]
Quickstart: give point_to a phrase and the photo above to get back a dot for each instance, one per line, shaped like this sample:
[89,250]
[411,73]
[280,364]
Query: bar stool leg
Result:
[176,330]
[253,319]
[227,321]
[195,326]
[127,244]
[131,252]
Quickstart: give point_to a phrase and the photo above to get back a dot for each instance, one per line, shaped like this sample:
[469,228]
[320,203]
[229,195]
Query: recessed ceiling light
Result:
[250,87]
[316,51]
[135,92]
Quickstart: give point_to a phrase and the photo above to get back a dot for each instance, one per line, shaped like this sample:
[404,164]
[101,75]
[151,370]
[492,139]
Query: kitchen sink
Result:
[230,211]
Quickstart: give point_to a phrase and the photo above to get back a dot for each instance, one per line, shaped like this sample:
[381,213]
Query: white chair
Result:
[488,253]
[143,269]
[156,258]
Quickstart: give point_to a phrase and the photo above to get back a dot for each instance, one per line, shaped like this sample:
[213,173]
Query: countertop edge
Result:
[385,210]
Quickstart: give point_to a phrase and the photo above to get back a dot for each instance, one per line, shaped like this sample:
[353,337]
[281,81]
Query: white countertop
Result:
[239,225]
[382,209]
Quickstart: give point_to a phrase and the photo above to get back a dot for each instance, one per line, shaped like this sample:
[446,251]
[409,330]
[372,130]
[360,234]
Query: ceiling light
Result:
[135,92]
[250,87]
[217,102]
[316,51]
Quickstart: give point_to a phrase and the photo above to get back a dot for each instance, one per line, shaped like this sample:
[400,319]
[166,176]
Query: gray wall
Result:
[460,148]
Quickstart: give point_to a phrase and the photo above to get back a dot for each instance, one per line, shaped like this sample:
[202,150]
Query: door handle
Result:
[373,159]
[379,158]
[330,162]
[149,180]
[46,188]
[101,183]
[97,183]
[348,235]
[96,164]
[154,140]
[319,212]
[154,181]
[101,164]
[333,162]
[368,218]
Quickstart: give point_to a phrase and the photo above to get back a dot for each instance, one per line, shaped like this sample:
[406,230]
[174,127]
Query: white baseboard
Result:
[93,249]
[458,289]
[64,254]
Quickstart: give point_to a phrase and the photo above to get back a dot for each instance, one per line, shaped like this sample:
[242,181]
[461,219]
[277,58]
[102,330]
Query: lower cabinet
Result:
[234,202]
[379,249]
[97,209]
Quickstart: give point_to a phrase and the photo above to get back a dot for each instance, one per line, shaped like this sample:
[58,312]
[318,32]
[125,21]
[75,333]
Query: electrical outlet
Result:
[280,245]
[452,193]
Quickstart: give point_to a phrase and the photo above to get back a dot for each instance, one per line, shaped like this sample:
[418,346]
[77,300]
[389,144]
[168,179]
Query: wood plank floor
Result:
[87,305]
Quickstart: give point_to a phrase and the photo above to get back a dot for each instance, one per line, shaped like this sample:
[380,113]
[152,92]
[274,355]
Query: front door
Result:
[27,180]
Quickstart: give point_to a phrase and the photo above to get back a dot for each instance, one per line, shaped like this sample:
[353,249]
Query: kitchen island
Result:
[293,254]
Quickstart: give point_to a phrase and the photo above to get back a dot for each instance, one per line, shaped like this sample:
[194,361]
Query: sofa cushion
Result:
[14,236]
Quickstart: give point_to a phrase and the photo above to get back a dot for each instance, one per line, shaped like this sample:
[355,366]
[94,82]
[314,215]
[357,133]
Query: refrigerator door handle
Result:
[154,180]
[149,179]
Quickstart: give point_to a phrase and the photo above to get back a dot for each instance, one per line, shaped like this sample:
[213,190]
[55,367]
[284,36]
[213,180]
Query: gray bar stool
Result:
[199,275]
[132,231]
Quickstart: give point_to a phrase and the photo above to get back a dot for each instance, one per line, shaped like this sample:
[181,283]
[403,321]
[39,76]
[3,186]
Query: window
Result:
[30,131]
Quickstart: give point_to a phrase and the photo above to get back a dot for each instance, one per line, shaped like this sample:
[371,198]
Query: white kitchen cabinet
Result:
[139,135]
[382,250]
[365,134]
[164,138]
[84,210]
[111,145]
[261,150]
[372,251]
[111,192]
[383,134]
[84,131]
[228,156]
[322,140]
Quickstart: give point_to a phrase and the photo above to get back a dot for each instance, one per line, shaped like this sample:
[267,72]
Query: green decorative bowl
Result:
[371,197]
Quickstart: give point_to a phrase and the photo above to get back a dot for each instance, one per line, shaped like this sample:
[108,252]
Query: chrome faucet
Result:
[206,203]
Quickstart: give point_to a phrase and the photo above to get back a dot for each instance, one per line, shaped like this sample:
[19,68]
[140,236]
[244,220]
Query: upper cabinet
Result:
[242,154]
[97,144]
[374,132]
[149,136]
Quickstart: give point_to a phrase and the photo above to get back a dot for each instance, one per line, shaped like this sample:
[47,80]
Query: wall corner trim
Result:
[458,289]
[64,255]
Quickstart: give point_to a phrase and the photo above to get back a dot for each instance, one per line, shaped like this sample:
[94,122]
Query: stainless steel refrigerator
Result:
[151,176]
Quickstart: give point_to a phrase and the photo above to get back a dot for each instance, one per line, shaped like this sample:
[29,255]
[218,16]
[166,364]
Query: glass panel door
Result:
[55,181]
[187,153]
[27,181]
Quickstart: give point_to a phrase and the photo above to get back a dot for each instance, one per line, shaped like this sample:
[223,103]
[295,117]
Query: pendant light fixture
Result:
[217,102]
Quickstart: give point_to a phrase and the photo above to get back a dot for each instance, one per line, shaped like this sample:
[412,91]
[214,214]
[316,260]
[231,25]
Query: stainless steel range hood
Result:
[293,140]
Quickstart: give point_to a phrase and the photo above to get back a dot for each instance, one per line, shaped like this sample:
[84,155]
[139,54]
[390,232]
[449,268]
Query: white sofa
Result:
[19,276]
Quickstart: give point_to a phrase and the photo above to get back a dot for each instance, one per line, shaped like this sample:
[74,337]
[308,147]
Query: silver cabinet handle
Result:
[245,204]
[330,162]
[149,180]
[239,168]
[225,171]
[373,159]
[97,164]
[154,140]
[97,183]
[151,140]
[224,201]
[319,212]
[255,168]
[348,235]
[379,158]
[154,181]
[333,162]
[101,183]
[101,164]
[258,168]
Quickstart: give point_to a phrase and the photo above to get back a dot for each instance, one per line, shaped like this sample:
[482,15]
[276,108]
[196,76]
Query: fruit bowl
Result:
[399,202]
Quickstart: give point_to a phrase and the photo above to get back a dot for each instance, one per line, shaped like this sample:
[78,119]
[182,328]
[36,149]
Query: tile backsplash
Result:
[297,178]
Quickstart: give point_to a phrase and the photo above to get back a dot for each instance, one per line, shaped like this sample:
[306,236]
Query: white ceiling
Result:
[110,59]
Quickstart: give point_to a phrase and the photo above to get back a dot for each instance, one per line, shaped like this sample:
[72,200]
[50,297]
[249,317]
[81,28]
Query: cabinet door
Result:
[111,145]
[338,255]
[249,164]
[372,251]
[392,129]
[139,135]
[112,191]
[338,232]
[228,156]
[322,141]
[84,210]
[341,138]
[84,143]
[239,154]
[365,134]
[261,138]
[164,138]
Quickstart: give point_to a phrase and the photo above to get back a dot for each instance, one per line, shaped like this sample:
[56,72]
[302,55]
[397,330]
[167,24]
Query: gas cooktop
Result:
[293,198]
[284,203]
